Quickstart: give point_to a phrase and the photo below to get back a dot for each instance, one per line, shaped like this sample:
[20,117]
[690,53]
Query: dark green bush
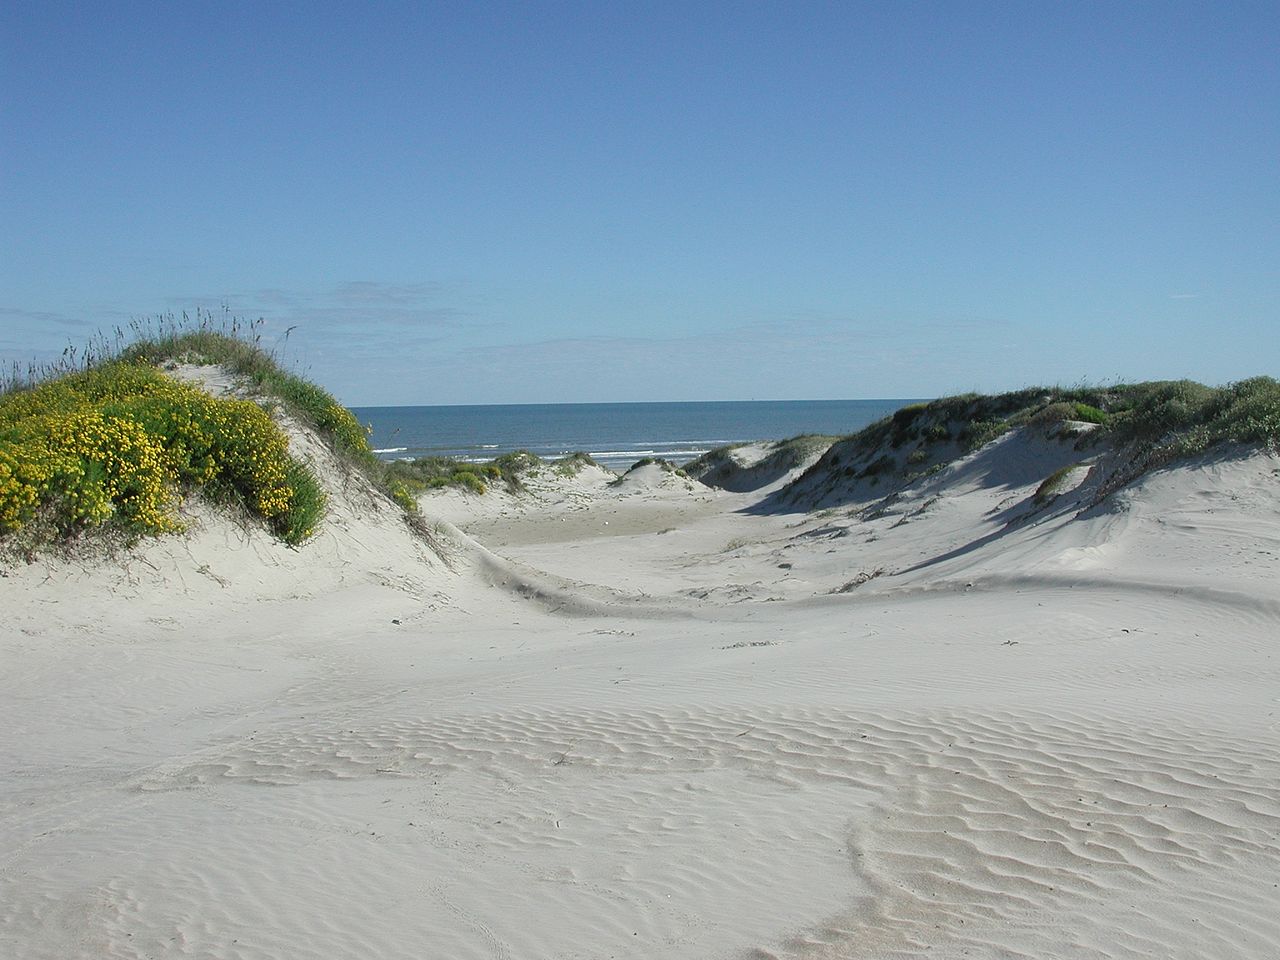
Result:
[1164,408]
[1053,413]
[981,432]
[1089,414]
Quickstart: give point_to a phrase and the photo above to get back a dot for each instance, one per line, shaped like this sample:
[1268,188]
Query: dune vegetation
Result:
[106,440]
[721,463]
[119,444]
[435,473]
[1155,422]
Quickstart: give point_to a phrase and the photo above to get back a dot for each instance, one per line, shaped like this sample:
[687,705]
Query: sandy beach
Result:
[640,481]
[651,718]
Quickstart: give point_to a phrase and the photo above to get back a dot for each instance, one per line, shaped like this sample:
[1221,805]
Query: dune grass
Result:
[435,473]
[782,455]
[574,464]
[1155,422]
[1182,414]
[1053,484]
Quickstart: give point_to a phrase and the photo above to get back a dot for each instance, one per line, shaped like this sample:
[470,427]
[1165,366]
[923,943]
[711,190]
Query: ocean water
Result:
[615,434]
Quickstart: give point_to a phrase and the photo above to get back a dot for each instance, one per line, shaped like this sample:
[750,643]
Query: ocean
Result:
[615,434]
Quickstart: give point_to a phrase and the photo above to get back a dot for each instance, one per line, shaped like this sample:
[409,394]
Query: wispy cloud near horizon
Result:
[45,318]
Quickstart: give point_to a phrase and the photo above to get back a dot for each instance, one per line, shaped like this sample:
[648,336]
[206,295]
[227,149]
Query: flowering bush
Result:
[119,442]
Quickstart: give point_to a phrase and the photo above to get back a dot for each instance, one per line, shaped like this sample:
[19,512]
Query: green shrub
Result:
[470,480]
[1089,414]
[306,506]
[434,473]
[981,432]
[1247,412]
[1166,407]
[120,443]
[317,407]
[1053,413]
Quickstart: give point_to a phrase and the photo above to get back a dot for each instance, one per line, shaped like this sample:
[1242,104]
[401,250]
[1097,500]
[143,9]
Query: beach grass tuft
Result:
[574,464]
[1053,484]
[434,473]
[719,465]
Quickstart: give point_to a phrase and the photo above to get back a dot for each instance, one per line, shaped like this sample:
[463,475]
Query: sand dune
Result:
[655,719]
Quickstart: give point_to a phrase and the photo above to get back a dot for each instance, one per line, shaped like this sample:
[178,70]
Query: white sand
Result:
[635,720]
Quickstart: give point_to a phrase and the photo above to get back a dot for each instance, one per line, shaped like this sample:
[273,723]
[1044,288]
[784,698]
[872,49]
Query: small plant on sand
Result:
[1053,484]
[574,464]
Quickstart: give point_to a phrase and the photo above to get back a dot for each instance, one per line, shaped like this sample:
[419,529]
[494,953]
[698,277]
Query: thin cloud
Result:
[42,318]
[373,293]
[275,297]
[350,308]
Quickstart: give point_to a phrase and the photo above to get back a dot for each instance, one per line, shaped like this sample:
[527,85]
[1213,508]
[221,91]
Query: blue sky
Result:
[544,202]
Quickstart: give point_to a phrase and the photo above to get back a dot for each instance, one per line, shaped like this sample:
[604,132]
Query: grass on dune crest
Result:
[1182,414]
[1157,422]
[238,348]
[435,473]
[1180,417]
[783,453]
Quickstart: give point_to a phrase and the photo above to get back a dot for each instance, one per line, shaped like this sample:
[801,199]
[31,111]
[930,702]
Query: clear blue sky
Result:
[541,202]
